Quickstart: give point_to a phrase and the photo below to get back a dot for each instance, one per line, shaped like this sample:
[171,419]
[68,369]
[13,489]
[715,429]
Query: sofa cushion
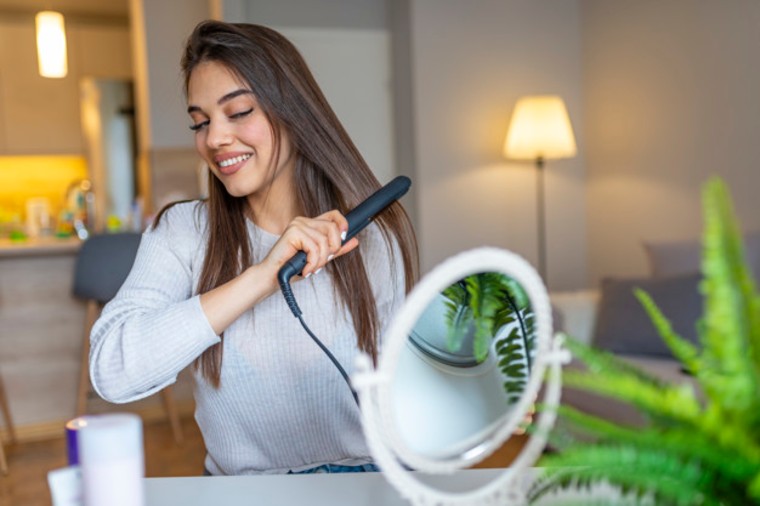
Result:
[623,326]
[675,258]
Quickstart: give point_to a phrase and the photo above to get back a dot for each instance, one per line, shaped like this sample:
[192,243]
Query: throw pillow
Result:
[623,326]
[675,258]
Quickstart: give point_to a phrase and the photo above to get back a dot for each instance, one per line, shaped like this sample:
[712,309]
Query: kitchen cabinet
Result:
[40,115]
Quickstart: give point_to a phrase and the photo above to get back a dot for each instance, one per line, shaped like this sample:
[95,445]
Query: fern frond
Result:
[671,478]
[601,361]
[731,324]
[675,403]
[683,350]
[593,494]
[737,463]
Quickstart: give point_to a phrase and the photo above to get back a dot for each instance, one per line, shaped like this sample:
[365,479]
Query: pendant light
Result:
[51,44]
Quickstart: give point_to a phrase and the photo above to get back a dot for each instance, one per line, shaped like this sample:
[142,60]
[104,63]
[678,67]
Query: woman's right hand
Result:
[321,238]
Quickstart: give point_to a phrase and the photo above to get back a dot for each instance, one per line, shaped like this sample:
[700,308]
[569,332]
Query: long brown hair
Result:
[330,172]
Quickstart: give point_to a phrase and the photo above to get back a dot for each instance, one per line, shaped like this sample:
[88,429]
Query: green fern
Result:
[486,303]
[690,451]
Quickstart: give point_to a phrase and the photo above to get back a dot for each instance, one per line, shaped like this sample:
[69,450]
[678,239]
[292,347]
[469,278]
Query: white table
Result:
[349,489]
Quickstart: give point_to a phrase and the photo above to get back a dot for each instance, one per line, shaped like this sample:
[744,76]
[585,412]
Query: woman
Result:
[203,289]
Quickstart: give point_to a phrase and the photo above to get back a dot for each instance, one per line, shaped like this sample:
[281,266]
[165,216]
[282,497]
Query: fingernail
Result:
[343,235]
[308,275]
[318,271]
[330,257]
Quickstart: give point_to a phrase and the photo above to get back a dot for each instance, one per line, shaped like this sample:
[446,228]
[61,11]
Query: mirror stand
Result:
[407,469]
[508,489]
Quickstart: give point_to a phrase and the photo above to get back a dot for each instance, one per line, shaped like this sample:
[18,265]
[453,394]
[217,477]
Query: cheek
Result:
[200,144]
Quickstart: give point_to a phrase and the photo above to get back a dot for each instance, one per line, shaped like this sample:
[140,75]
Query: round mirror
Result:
[459,372]
[466,365]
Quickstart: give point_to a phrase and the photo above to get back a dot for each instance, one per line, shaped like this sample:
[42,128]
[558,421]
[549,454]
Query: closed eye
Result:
[241,114]
[198,126]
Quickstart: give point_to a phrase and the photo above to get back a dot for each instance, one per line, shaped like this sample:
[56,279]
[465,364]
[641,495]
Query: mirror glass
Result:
[466,363]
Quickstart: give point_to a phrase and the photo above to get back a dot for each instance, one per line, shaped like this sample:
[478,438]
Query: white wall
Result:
[471,61]
[671,97]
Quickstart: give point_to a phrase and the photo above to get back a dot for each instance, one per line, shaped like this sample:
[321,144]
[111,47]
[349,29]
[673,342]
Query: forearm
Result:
[227,302]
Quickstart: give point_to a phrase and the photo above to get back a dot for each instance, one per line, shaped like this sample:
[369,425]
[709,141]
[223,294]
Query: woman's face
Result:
[233,135]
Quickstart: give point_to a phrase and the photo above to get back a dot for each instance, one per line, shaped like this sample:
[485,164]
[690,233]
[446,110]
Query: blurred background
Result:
[660,95]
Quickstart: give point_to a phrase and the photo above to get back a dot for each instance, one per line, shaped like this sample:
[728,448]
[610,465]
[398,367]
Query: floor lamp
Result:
[540,130]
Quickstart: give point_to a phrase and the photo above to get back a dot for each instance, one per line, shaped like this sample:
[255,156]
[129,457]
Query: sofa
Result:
[610,317]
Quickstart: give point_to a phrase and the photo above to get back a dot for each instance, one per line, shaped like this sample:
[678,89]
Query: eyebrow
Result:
[226,98]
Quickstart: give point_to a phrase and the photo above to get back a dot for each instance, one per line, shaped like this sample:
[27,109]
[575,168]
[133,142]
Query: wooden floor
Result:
[29,463]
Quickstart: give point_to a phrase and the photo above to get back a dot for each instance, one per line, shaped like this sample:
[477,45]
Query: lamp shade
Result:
[540,128]
[51,44]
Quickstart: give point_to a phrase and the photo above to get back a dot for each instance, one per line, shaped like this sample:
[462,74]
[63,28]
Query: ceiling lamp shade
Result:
[540,128]
[51,44]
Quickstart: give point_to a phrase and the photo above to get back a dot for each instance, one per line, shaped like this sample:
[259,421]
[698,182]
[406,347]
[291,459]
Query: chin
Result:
[236,191]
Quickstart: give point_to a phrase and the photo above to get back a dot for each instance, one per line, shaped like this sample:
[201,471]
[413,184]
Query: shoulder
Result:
[181,217]
[182,221]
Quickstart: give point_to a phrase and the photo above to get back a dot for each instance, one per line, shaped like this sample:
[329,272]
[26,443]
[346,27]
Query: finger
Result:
[331,231]
[349,246]
[322,249]
[336,217]
[311,248]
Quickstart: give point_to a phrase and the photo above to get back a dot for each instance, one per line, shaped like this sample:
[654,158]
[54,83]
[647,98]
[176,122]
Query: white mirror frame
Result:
[374,387]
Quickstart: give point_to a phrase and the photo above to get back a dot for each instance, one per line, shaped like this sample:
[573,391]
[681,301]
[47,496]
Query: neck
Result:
[275,208]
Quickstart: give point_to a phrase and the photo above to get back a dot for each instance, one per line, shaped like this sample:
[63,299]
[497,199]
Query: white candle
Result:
[111,458]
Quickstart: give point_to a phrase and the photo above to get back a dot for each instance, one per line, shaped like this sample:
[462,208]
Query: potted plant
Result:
[694,449]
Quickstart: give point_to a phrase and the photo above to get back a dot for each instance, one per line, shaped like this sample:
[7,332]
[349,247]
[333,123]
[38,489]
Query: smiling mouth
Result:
[232,161]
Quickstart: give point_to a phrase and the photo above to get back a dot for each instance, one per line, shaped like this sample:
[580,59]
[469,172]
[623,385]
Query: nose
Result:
[219,134]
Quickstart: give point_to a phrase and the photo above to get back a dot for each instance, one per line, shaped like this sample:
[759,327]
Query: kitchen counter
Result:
[39,246]
[41,331]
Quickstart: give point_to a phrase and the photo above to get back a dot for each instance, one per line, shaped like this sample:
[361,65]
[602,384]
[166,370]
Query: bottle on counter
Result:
[80,201]
[38,222]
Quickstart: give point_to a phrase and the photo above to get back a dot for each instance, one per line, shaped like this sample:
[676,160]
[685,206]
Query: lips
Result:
[230,164]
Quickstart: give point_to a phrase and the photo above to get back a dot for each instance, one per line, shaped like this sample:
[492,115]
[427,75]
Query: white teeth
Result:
[233,161]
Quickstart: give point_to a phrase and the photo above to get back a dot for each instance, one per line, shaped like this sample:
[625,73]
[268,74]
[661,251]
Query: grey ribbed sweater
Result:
[282,405]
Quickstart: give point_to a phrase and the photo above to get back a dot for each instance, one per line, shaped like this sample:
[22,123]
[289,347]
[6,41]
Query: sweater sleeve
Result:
[155,326]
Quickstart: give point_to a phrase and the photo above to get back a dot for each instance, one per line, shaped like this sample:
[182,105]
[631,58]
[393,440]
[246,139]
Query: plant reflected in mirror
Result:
[469,358]
[496,311]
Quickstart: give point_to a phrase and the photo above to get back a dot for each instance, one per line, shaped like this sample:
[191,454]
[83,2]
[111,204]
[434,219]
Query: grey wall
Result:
[457,71]
[670,95]
[661,95]
[470,64]
[163,27]
[354,14]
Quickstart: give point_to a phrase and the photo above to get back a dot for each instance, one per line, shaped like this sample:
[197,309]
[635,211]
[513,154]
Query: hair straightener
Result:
[358,218]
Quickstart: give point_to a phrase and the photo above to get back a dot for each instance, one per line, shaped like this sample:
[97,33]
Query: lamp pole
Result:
[541,219]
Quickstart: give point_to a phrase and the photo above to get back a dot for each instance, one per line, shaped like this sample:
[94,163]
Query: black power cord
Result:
[331,357]
[357,219]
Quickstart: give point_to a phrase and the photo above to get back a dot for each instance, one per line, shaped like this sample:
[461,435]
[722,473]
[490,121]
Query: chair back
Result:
[103,263]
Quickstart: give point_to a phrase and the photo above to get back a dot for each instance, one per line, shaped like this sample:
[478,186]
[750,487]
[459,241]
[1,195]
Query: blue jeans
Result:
[334,468]
[328,468]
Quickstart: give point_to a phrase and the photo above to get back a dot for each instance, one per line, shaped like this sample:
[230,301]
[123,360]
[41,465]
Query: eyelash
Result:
[198,126]
[235,116]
